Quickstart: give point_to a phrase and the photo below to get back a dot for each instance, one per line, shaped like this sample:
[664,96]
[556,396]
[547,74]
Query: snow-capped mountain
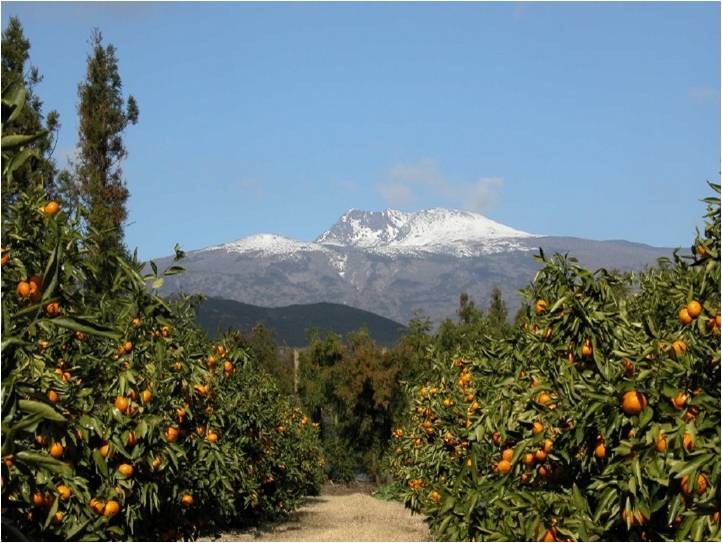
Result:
[391,263]
[441,231]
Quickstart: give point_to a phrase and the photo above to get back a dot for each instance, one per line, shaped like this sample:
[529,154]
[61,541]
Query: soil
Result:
[341,513]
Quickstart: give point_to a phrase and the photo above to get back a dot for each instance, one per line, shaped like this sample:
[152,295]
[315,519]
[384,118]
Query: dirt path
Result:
[342,513]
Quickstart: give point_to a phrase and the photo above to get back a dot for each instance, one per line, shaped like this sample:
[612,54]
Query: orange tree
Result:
[599,419]
[119,421]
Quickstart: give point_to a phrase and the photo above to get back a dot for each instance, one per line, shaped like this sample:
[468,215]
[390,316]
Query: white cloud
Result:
[396,195]
[424,182]
[704,95]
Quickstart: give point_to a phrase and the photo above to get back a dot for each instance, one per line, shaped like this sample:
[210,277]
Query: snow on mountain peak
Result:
[430,230]
[266,244]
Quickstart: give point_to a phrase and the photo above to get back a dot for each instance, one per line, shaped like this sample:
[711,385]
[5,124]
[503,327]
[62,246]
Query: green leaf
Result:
[85,326]
[40,408]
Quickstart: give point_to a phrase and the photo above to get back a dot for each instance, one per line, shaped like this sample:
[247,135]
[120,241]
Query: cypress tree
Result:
[103,116]
[17,70]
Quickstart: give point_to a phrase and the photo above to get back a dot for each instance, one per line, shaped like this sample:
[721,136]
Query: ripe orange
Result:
[132,439]
[540,455]
[679,347]
[156,462]
[111,508]
[58,517]
[212,437]
[507,454]
[128,346]
[435,496]
[529,459]
[550,535]
[538,427]
[221,350]
[125,470]
[661,445]
[587,348]
[717,321]
[165,331]
[687,441]
[684,316]
[64,492]
[4,259]
[171,434]
[540,306]
[544,398]
[504,466]
[135,323]
[23,289]
[97,506]
[600,451]
[694,308]
[53,397]
[701,485]
[51,208]
[187,500]
[542,471]
[104,450]
[211,361]
[680,399]
[38,499]
[228,366]
[121,403]
[52,309]
[146,396]
[56,450]
[548,443]
[628,367]
[633,402]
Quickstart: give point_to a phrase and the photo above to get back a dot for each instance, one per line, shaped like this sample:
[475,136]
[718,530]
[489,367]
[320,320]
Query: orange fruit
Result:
[211,361]
[128,346]
[53,396]
[550,535]
[121,403]
[538,427]
[548,443]
[661,445]
[540,455]
[694,308]
[435,496]
[125,470]
[504,466]
[165,331]
[132,439]
[529,459]
[679,347]
[587,348]
[187,500]
[52,309]
[687,441]
[636,518]
[97,506]
[540,306]
[56,450]
[4,259]
[221,350]
[633,402]
[628,367]
[135,323]
[156,462]
[51,208]
[507,454]
[104,450]
[701,485]
[680,399]
[38,499]
[684,316]
[600,451]
[146,396]
[544,398]
[111,508]
[228,366]
[496,438]
[64,492]
[717,321]
[23,289]
[542,471]
[58,517]
[212,437]
[171,434]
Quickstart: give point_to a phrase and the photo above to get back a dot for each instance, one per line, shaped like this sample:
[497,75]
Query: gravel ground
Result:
[342,513]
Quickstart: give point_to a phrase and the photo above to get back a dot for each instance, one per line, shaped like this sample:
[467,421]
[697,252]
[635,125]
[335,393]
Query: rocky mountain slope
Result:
[392,263]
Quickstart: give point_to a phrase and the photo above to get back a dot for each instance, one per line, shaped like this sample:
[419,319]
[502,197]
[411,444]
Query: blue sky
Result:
[597,120]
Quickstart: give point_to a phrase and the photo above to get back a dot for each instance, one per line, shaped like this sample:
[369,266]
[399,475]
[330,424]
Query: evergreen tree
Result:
[497,314]
[467,311]
[103,116]
[16,70]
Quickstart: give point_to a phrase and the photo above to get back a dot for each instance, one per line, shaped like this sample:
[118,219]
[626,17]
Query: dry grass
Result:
[342,513]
